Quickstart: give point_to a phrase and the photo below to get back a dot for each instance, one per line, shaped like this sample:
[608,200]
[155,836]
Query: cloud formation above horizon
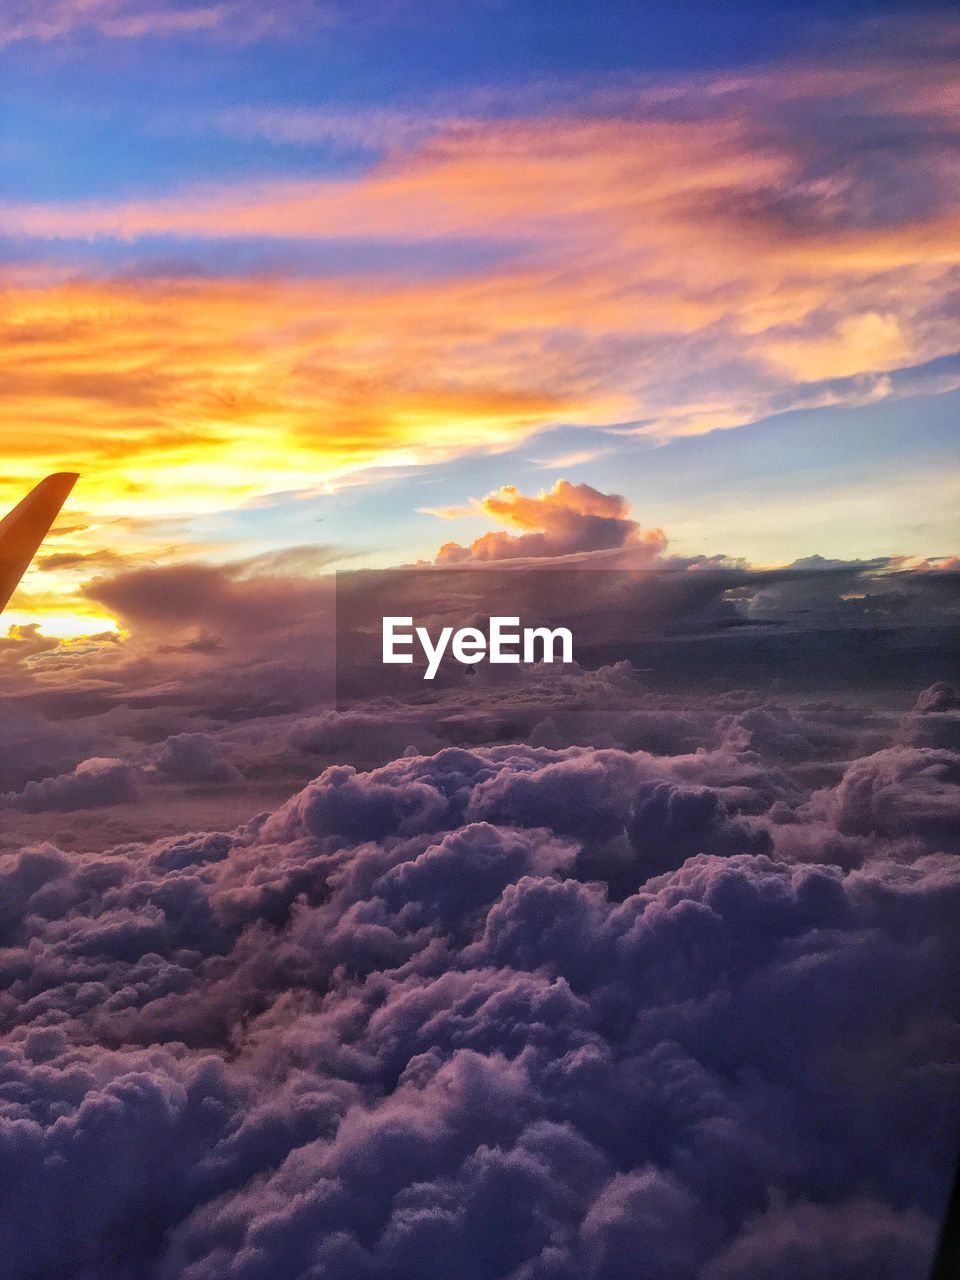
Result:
[534,978]
[569,519]
[676,256]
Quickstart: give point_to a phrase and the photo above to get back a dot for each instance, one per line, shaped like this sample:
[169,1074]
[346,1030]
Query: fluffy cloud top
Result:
[535,982]
[94,782]
[193,757]
[568,519]
[512,1012]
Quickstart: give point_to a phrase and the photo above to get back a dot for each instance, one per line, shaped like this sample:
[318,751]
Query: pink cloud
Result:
[569,519]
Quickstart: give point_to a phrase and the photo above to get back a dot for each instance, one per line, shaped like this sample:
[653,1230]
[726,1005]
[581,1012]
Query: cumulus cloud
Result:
[935,720]
[94,782]
[535,978]
[566,520]
[526,1010]
[194,757]
[670,824]
[899,792]
[31,746]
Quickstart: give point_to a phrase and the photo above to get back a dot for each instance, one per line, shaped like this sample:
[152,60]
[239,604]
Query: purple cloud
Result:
[94,782]
[438,1015]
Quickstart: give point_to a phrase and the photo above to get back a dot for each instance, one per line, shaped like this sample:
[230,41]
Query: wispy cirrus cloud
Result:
[50,20]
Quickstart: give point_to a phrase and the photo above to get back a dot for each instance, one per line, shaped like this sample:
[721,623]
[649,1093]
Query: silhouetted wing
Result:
[22,531]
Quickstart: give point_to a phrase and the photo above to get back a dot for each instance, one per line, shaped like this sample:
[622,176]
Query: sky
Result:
[330,274]
[647,960]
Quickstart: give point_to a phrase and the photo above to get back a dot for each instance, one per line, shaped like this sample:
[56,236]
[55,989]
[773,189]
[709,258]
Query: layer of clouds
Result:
[94,782]
[530,979]
[219,695]
[513,1011]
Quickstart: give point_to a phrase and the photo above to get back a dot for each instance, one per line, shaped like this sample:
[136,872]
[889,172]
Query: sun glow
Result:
[59,624]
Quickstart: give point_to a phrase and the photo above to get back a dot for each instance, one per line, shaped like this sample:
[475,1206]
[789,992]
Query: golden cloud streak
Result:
[686,273]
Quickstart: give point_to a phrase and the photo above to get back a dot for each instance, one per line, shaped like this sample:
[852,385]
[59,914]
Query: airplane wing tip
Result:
[58,486]
[24,528]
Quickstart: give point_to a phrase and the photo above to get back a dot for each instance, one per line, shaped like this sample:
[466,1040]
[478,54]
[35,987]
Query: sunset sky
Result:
[307,273]
[640,316]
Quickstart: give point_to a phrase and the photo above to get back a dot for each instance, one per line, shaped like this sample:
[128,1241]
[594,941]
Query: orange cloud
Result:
[686,257]
[508,505]
[567,520]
